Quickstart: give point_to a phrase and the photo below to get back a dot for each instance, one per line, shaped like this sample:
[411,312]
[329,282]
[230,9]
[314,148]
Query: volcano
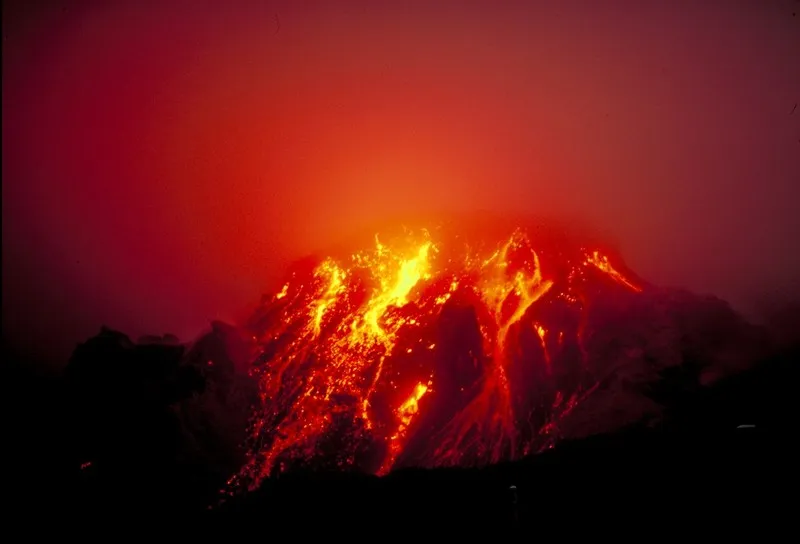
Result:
[452,346]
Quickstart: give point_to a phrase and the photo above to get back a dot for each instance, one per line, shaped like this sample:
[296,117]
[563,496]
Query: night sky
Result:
[162,161]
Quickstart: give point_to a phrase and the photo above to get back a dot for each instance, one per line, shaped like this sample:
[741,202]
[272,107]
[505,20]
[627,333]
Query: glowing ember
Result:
[424,350]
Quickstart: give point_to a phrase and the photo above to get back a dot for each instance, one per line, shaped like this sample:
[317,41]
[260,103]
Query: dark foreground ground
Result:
[696,470]
[723,477]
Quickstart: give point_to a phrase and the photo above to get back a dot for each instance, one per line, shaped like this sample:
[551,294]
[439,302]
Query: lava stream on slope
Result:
[428,349]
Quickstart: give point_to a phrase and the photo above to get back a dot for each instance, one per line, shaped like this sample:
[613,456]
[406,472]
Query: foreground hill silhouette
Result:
[533,361]
[150,465]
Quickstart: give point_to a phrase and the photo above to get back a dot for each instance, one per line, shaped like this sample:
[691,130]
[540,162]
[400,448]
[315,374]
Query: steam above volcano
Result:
[449,346]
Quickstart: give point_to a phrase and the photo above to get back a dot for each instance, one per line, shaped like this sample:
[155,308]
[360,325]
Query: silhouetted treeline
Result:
[147,427]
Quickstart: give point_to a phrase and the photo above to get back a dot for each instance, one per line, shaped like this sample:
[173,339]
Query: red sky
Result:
[162,160]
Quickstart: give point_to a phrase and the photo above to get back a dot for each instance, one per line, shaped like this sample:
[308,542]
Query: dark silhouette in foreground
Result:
[151,431]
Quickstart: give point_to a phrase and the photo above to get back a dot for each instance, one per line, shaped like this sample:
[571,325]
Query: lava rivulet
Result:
[427,349]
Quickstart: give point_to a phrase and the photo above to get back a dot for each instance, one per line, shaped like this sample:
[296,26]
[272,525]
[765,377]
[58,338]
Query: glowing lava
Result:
[426,349]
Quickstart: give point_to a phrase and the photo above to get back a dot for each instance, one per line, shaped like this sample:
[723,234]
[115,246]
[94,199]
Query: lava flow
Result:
[428,349]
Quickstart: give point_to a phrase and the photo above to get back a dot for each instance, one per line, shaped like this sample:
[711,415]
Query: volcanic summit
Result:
[446,346]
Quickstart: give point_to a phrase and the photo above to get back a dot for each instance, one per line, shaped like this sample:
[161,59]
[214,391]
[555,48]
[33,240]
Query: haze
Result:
[163,161]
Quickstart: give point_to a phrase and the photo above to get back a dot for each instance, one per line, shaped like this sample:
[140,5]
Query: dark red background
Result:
[161,164]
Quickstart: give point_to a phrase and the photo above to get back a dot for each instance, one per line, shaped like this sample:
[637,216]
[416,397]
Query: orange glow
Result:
[601,262]
[405,413]
[541,332]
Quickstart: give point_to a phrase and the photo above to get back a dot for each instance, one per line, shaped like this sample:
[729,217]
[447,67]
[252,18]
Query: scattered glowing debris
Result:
[282,292]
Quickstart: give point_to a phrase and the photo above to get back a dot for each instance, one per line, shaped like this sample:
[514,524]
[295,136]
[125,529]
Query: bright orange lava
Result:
[427,349]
